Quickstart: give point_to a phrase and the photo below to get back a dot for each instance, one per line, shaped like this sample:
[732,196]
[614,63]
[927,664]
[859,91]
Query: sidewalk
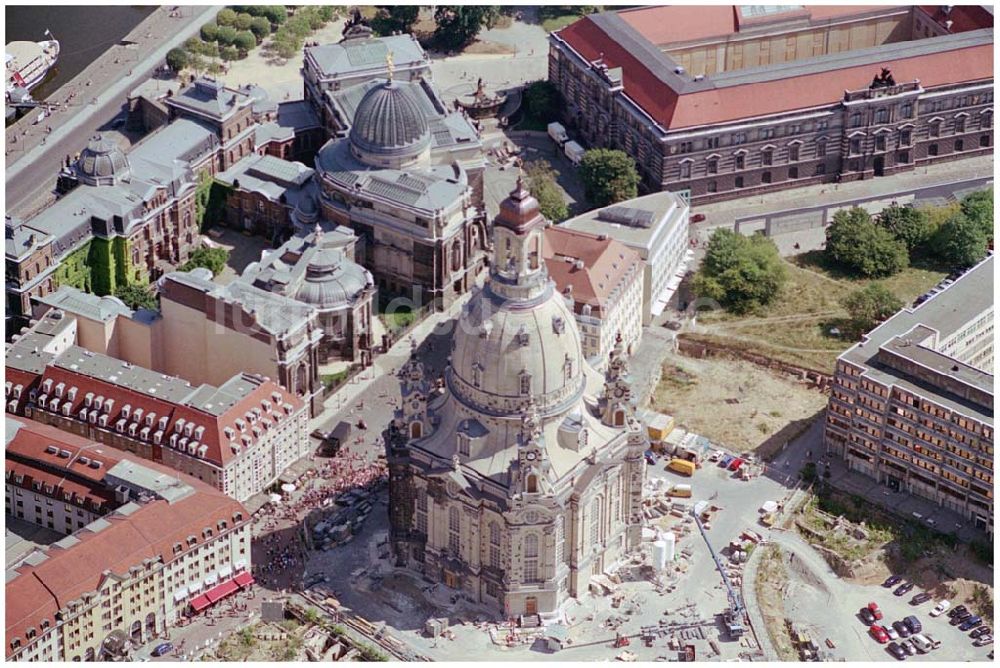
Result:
[109,77]
[385,364]
[726,213]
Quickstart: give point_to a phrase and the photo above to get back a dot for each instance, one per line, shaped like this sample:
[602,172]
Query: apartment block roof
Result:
[912,336]
[136,535]
[212,423]
[211,98]
[676,99]
[594,266]
[619,220]
[355,56]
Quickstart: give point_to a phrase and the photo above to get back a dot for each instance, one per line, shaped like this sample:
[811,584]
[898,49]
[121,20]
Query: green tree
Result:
[869,306]
[858,244]
[210,31]
[243,21]
[245,41]
[225,17]
[276,14]
[960,242]
[542,100]
[608,176]
[906,224]
[226,35]
[137,296]
[260,27]
[395,18]
[213,259]
[978,207]
[177,59]
[230,53]
[285,44]
[542,183]
[743,274]
[458,25]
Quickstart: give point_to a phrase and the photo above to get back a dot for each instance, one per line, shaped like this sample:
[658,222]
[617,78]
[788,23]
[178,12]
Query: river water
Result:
[84,33]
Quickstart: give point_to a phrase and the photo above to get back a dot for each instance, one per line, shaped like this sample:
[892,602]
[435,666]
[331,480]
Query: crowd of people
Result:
[280,553]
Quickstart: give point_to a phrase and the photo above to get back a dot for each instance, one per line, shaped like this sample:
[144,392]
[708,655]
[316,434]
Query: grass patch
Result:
[800,326]
[553,23]
[334,379]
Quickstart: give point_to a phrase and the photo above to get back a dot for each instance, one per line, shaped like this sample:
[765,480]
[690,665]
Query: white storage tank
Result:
[659,554]
[671,540]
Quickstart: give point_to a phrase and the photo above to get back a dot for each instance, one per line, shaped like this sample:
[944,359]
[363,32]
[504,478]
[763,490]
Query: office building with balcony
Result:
[912,403]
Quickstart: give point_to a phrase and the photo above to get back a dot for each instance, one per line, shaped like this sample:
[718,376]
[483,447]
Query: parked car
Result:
[913,623]
[960,618]
[908,647]
[163,648]
[897,651]
[697,218]
[954,612]
[903,589]
[902,629]
[940,608]
[924,643]
[891,632]
[983,641]
[873,606]
[867,616]
[970,623]
[920,598]
[980,631]
[892,581]
[651,458]
[879,633]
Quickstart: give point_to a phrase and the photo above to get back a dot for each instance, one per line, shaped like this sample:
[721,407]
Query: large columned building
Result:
[523,477]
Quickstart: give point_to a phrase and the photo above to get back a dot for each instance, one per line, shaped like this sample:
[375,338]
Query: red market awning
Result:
[200,603]
[244,579]
[221,591]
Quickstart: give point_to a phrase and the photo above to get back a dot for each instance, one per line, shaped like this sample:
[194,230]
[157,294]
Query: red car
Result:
[735,465]
[879,633]
[697,218]
[875,610]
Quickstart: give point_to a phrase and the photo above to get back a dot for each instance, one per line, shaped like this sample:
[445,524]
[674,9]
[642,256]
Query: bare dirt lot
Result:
[761,409]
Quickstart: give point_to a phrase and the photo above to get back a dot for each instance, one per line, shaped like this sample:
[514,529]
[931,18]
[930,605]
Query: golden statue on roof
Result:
[389,65]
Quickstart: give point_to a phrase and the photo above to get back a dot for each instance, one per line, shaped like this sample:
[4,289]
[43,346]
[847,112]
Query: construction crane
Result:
[733,616]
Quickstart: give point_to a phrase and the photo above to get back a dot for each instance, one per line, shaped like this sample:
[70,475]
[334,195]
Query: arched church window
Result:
[532,484]
[416,430]
[531,546]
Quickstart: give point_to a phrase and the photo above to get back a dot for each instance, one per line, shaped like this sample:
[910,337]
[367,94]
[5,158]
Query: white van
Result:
[924,643]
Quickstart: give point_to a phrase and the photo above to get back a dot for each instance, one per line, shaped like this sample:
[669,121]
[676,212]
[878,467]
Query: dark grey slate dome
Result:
[102,162]
[331,280]
[389,121]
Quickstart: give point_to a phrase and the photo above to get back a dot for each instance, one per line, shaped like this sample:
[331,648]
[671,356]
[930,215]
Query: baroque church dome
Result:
[517,342]
[330,281]
[102,163]
[389,122]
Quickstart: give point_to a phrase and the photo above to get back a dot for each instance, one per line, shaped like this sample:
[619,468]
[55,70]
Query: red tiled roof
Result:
[150,532]
[218,451]
[606,263]
[678,23]
[731,103]
[668,24]
[25,379]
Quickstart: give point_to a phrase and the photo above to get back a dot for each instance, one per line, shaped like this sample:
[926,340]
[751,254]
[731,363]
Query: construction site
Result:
[679,598]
